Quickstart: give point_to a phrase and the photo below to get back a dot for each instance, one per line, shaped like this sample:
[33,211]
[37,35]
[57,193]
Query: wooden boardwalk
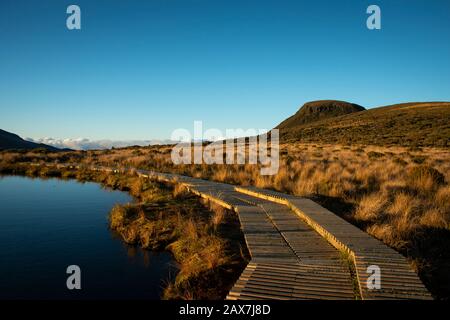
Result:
[300,250]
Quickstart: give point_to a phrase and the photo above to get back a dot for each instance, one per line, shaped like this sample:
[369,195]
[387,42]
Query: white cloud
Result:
[86,144]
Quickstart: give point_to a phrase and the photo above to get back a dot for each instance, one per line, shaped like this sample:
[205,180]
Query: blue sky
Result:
[140,69]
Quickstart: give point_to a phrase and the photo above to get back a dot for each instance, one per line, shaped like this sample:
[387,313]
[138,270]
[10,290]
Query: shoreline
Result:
[190,282]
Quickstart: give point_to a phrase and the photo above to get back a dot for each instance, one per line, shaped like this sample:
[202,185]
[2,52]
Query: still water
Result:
[47,225]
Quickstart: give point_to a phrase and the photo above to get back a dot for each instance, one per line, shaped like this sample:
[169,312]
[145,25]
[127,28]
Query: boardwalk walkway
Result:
[300,250]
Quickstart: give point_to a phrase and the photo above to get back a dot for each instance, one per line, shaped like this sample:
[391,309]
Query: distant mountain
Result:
[319,110]
[10,140]
[87,144]
[407,124]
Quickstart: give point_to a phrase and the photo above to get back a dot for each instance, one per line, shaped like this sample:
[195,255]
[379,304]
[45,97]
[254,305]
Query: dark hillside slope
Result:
[408,124]
[319,110]
[10,140]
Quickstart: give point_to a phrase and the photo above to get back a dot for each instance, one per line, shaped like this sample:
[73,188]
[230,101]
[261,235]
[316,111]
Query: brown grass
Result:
[383,190]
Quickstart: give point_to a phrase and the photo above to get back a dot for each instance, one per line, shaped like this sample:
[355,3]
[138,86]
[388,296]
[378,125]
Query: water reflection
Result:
[46,225]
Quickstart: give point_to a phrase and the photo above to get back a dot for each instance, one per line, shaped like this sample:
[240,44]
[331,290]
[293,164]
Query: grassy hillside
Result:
[10,140]
[319,110]
[410,124]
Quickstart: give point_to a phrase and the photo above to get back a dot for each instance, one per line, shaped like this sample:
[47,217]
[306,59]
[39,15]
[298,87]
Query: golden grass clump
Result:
[371,207]
[179,191]
[425,179]
[189,230]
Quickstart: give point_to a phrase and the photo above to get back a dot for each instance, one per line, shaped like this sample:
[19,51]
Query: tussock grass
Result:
[404,204]
[373,155]
[207,262]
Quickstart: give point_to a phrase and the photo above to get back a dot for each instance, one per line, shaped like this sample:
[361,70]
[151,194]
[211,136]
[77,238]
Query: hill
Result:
[10,140]
[319,110]
[421,124]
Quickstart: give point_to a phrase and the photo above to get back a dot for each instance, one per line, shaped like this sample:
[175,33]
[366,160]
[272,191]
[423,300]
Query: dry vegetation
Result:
[210,251]
[399,195]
